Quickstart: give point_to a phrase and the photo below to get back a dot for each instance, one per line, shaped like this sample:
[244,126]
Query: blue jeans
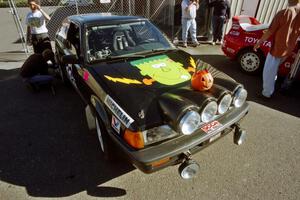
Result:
[269,74]
[189,25]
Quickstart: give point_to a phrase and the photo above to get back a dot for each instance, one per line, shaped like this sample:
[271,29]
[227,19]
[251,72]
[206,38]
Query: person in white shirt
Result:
[37,32]
[188,22]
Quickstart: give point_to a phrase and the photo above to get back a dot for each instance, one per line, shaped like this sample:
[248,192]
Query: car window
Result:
[62,32]
[73,37]
[123,39]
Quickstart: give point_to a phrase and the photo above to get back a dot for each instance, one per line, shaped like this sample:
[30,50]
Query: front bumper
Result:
[173,149]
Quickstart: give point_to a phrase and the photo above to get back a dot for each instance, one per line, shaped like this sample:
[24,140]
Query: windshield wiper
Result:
[163,49]
[126,56]
[159,50]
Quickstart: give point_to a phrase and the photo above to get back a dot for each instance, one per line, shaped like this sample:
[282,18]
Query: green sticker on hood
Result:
[162,69]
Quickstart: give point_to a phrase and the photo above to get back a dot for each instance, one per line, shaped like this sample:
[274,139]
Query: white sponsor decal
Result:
[230,50]
[235,26]
[212,126]
[118,111]
[254,41]
[105,1]
[116,124]
[287,65]
[235,33]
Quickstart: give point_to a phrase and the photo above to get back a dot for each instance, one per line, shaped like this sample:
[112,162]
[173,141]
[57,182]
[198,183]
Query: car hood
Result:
[142,86]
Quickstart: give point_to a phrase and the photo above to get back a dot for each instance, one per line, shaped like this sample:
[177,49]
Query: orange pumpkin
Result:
[202,80]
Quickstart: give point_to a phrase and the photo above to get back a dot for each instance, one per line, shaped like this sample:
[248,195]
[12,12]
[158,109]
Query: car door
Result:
[76,72]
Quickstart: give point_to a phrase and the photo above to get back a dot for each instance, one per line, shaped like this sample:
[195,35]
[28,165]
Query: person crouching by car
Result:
[221,15]
[36,64]
[188,22]
[37,32]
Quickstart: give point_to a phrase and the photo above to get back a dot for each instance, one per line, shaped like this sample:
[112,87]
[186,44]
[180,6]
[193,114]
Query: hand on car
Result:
[256,46]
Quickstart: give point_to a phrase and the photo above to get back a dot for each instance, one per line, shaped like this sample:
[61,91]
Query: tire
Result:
[105,144]
[251,62]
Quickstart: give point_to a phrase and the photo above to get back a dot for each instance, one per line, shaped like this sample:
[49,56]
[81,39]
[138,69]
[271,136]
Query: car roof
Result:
[94,18]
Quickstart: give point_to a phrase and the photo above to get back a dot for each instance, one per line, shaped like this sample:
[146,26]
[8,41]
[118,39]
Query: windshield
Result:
[119,40]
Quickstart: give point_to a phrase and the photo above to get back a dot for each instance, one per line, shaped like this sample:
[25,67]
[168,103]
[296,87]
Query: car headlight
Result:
[209,111]
[158,134]
[224,103]
[189,122]
[240,97]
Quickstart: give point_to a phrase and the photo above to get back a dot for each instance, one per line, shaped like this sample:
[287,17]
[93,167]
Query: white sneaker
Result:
[213,43]
[196,43]
[184,45]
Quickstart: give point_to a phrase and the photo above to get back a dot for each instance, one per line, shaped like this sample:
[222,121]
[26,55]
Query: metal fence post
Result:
[18,24]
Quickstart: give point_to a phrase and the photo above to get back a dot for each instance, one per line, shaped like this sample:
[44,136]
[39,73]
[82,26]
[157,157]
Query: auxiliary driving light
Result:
[188,169]
[240,97]
[239,136]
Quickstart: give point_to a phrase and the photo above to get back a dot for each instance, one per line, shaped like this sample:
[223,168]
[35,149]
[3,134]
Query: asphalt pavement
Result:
[47,152]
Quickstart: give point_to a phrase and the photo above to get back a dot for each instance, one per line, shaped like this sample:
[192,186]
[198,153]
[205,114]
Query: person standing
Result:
[221,16]
[188,22]
[37,32]
[285,30]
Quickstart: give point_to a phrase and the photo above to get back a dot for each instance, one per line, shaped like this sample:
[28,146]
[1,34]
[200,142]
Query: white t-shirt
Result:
[36,21]
[190,13]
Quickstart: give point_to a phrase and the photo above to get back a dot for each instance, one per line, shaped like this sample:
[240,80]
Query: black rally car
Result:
[137,88]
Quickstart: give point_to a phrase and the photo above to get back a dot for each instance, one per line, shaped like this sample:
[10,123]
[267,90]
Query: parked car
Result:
[138,95]
[239,41]
[78,2]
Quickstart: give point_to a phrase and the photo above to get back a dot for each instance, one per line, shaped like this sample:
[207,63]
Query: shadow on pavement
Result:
[288,104]
[45,145]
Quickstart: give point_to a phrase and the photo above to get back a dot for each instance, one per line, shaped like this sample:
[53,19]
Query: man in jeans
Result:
[285,30]
[221,15]
[188,20]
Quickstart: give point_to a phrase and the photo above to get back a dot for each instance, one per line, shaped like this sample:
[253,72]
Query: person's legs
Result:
[193,31]
[269,74]
[214,25]
[221,21]
[184,24]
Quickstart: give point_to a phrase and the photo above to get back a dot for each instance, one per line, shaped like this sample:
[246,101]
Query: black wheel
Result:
[104,141]
[251,62]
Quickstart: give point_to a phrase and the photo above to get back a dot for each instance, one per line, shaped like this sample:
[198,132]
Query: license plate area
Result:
[210,127]
[213,138]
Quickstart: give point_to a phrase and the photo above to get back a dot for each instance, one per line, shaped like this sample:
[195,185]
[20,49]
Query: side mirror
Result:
[70,59]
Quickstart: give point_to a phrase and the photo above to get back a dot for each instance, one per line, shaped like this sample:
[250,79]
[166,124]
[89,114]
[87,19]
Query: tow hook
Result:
[239,135]
[189,168]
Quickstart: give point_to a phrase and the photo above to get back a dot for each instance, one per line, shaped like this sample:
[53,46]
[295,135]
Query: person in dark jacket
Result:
[36,64]
[221,16]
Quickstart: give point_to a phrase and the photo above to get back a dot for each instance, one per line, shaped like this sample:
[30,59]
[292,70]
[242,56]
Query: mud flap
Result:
[90,118]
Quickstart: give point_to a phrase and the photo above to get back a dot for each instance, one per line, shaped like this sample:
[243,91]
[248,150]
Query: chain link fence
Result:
[166,14]
[160,12]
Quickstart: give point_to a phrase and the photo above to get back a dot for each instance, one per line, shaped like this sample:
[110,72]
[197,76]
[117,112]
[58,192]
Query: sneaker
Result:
[213,43]
[263,97]
[196,43]
[184,45]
